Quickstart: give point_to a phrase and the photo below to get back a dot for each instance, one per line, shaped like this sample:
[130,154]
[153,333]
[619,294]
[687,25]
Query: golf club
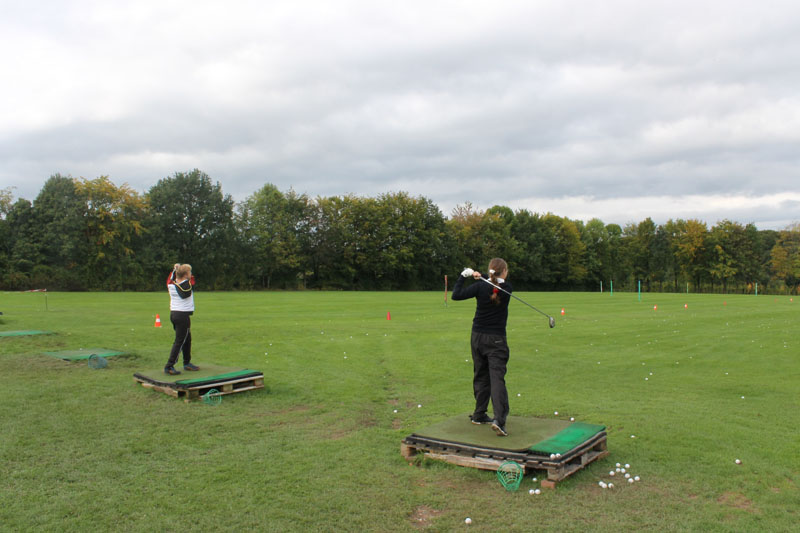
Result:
[552,320]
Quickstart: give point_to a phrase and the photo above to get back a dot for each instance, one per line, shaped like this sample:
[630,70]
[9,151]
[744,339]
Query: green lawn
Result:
[319,448]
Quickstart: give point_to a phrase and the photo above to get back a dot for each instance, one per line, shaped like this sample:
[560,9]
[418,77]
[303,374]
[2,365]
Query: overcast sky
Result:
[617,109]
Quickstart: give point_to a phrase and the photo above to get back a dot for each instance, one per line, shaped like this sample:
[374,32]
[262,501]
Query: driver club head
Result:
[552,322]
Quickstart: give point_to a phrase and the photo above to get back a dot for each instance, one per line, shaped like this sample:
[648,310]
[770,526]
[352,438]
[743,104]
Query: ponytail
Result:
[496,266]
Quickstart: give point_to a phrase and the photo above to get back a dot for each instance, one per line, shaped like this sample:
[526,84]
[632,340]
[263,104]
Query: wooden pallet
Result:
[224,386]
[491,459]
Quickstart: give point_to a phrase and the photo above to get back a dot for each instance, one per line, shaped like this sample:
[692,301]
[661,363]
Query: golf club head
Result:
[552,322]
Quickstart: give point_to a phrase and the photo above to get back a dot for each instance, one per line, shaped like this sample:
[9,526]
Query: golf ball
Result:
[630,480]
[627,465]
[419,405]
[636,478]
[556,412]
[534,480]
[571,419]
[627,476]
[612,473]
[618,465]
[622,470]
[738,461]
[558,456]
[610,485]
[552,456]
[468,520]
[633,436]
[531,491]
[518,395]
[537,491]
[395,410]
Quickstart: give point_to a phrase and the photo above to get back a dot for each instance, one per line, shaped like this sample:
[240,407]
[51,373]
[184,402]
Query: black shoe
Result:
[171,371]
[190,366]
[478,420]
[500,430]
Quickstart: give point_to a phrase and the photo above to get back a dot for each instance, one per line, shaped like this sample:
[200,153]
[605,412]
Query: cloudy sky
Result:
[617,109]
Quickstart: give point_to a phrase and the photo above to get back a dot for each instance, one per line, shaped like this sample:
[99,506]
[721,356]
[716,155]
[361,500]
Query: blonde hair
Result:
[184,271]
[496,267]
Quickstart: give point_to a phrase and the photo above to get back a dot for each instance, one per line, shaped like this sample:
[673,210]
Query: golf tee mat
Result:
[83,353]
[21,333]
[192,385]
[558,446]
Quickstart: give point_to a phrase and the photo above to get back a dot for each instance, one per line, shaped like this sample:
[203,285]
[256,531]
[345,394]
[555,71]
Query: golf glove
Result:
[467,272]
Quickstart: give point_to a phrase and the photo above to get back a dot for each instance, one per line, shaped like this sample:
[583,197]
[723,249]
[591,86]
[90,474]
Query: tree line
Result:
[82,234]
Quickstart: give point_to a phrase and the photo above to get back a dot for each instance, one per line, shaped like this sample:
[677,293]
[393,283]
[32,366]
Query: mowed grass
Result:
[319,448]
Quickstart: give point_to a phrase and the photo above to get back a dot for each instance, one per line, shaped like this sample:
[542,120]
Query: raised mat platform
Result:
[531,443]
[22,333]
[193,385]
[83,353]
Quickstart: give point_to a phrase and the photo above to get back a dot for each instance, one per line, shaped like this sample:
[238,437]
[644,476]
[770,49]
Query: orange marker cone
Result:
[686,306]
[655,307]
[158,322]
[388,315]
[562,311]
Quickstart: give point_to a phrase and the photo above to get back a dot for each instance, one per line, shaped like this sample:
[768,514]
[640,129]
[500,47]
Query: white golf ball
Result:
[552,456]
[618,465]
[518,395]
[468,520]
[537,491]
[395,410]
[636,478]
[610,485]
[627,465]
[647,379]
[738,461]
[571,419]
[558,456]
[633,436]
[534,480]
[622,470]
[612,473]
[618,469]
[556,412]
[531,491]
[419,405]
[627,476]
[600,483]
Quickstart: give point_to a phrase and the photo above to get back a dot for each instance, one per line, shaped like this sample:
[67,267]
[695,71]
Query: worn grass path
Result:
[318,450]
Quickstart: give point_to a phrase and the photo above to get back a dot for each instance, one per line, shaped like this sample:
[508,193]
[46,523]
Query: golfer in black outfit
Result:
[489,346]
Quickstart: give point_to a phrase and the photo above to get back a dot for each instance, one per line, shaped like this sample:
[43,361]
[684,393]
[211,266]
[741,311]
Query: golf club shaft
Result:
[515,297]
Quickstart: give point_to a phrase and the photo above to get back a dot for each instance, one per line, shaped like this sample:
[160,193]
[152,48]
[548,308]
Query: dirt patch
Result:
[394,401]
[737,500]
[397,424]
[422,516]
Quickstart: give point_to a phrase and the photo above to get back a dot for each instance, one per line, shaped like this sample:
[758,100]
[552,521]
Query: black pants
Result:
[182,324]
[489,359]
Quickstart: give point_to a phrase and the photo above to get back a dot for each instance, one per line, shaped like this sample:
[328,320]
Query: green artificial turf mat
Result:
[523,432]
[84,353]
[206,374]
[21,333]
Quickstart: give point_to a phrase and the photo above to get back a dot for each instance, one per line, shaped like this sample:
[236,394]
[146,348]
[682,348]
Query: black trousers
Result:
[182,324]
[489,360]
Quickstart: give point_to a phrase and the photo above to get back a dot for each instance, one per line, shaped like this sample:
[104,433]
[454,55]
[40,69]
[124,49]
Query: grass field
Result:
[318,448]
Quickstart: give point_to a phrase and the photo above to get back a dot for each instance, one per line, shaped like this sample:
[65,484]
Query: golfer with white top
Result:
[180,285]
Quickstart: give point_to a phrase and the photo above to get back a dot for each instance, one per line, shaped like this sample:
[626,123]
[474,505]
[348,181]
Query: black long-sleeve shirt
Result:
[489,317]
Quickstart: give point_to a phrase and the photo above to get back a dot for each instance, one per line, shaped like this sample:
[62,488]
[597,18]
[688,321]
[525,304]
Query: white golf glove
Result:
[467,272]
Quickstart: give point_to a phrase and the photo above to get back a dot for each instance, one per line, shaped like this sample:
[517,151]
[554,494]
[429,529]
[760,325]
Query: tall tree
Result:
[786,257]
[691,250]
[191,221]
[113,223]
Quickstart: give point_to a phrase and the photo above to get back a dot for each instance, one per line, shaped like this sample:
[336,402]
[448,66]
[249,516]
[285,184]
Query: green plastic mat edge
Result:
[577,433]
